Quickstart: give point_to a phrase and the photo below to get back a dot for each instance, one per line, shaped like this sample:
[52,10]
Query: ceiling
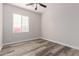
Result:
[32,8]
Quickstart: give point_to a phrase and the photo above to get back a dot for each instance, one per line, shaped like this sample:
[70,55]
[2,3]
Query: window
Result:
[20,23]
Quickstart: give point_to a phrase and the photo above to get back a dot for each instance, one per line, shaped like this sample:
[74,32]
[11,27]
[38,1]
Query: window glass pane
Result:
[16,23]
[25,24]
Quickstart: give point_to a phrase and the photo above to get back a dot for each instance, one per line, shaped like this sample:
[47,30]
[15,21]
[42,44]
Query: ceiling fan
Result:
[36,5]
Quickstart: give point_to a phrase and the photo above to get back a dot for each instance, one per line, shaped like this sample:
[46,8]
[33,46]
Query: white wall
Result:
[1,19]
[60,23]
[34,25]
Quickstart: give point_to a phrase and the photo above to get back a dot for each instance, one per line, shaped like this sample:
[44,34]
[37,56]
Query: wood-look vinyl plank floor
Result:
[38,47]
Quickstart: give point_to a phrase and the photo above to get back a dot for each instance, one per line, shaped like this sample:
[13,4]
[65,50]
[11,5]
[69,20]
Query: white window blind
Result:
[20,23]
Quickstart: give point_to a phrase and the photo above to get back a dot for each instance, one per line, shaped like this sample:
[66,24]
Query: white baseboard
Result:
[20,41]
[45,39]
[61,43]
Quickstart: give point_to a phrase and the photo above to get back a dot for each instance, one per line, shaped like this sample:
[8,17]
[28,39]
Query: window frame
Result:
[21,24]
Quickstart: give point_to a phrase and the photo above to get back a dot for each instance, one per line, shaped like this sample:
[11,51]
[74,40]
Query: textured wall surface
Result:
[61,23]
[34,24]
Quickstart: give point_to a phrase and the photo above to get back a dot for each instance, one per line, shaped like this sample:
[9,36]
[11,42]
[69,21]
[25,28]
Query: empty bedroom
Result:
[39,29]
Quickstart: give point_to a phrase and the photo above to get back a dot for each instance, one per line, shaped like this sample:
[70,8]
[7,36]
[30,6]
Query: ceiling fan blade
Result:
[29,4]
[42,5]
